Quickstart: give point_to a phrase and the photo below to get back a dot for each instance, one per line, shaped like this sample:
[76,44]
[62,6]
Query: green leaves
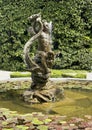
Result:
[72,31]
[35,121]
[42,127]
[21,127]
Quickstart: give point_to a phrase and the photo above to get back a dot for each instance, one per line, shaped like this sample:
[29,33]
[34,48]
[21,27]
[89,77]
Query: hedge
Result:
[54,74]
[72,31]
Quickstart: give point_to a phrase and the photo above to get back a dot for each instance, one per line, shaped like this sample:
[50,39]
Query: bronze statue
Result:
[43,60]
[44,57]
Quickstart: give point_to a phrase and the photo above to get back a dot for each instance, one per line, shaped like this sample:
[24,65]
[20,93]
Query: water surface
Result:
[75,103]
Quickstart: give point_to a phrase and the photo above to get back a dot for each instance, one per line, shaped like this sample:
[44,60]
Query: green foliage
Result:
[21,127]
[74,75]
[19,74]
[73,35]
[54,74]
[80,75]
[68,75]
[13,33]
[42,127]
[37,122]
[72,31]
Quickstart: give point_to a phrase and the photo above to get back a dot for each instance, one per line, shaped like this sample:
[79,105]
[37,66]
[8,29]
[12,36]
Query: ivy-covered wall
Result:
[72,31]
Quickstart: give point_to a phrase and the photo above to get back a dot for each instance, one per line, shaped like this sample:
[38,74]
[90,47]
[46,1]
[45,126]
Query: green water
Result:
[75,103]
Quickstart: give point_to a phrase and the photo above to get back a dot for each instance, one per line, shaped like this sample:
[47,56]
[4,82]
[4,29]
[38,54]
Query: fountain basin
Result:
[77,100]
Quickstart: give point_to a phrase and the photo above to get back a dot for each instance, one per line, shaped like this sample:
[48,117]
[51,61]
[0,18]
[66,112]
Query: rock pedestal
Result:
[49,93]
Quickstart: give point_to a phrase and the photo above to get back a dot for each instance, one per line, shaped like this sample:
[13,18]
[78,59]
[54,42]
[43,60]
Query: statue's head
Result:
[47,26]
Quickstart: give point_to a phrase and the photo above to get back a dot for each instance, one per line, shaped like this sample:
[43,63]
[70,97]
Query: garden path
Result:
[4,75]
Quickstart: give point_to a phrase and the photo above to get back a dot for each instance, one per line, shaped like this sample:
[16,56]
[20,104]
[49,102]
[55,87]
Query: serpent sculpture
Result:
[42,62]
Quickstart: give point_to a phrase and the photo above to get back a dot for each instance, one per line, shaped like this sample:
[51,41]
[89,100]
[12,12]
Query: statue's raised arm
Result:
[36,18]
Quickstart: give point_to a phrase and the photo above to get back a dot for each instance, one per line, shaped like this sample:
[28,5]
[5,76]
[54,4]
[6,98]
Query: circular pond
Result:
[76,103]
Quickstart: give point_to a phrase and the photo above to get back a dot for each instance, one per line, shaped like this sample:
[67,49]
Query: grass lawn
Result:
[55,73]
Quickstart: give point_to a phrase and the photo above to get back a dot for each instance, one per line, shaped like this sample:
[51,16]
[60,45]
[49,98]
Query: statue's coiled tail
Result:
[29,62]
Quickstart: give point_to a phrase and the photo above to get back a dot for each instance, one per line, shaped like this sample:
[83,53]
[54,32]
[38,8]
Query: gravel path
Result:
[4,75]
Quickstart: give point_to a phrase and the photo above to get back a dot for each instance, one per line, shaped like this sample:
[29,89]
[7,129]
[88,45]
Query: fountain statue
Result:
[41,89]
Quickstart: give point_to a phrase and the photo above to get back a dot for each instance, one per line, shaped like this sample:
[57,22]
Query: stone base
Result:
[49,93]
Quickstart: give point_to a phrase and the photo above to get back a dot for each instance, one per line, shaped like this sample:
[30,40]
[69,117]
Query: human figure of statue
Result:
[44,57]
[41,89]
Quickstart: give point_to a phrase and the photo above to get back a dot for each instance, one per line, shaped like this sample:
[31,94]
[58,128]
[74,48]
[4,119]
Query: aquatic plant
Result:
[39,121]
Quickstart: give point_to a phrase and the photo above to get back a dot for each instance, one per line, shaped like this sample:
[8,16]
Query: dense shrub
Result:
[72,31]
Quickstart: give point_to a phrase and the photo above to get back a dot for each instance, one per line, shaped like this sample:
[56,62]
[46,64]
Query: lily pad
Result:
[42,127]
[21,127]
[46,121]
[35,121]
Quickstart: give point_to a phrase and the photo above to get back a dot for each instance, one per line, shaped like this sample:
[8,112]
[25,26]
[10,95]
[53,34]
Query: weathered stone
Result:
[50,94]
[41,89]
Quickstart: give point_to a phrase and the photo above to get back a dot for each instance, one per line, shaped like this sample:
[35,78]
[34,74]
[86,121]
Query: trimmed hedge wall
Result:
[72,31]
